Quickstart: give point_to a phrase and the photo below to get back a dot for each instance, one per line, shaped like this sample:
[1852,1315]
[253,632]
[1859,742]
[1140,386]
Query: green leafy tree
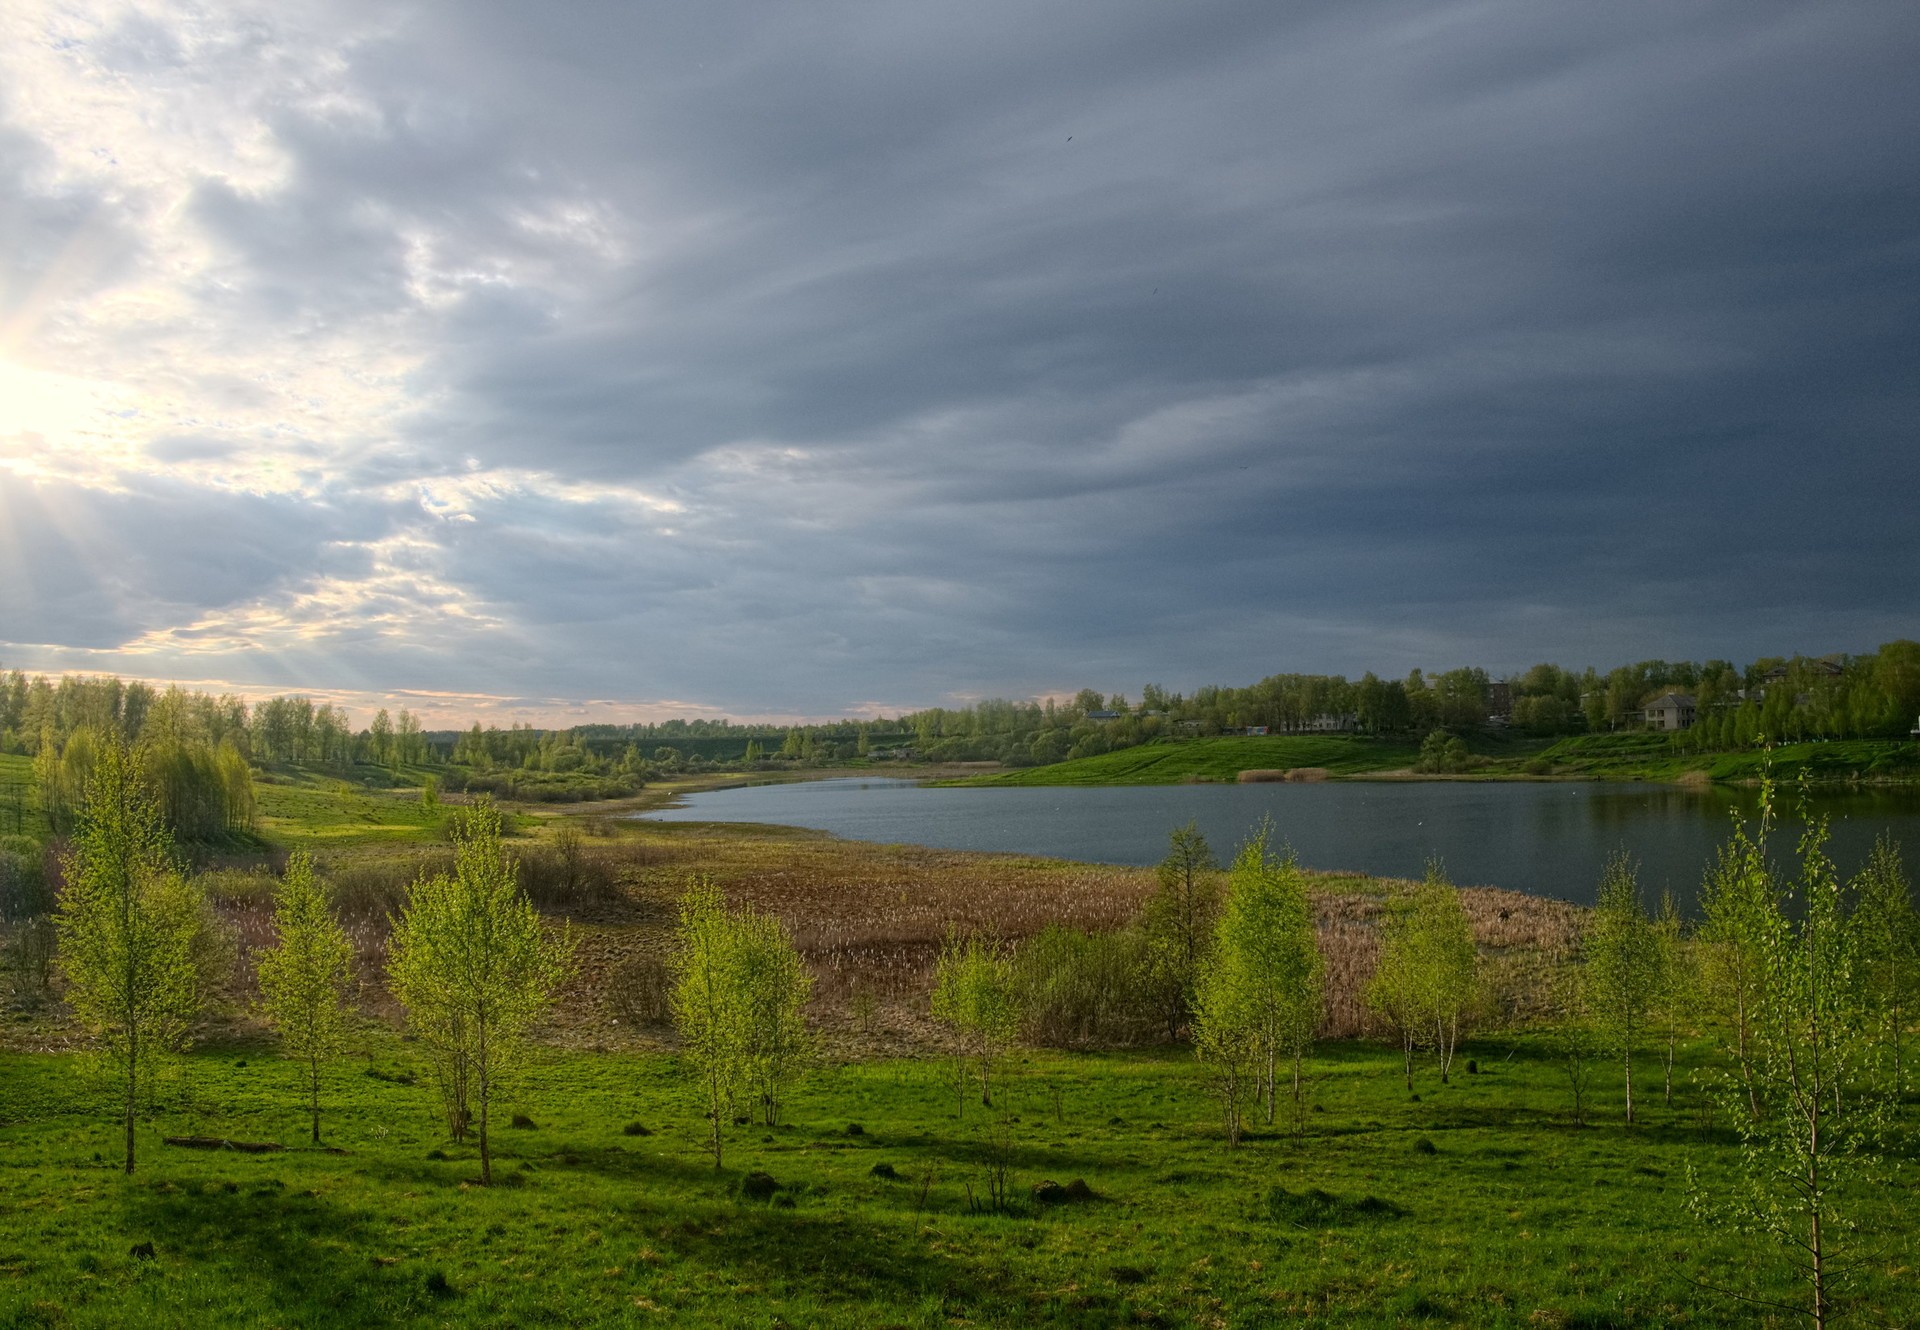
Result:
[472,965]
[128,923]
[303,979]
[1179,922]
[1265,969]
[776,987]
[1427,980]
[976,995]
[1888,932]
[380,738]
[1677,997]
[1808,1154]
[709,1003]
[1740,909]
[1623,960]
[1227,1042]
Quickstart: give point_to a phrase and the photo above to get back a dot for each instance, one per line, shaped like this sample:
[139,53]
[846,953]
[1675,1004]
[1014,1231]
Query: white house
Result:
[1670,711]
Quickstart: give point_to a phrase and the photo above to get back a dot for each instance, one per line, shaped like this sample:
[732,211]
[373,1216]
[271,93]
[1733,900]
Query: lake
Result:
[1547,838]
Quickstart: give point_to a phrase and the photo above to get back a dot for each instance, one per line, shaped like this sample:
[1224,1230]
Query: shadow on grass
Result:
[881,1265]
[309,1261]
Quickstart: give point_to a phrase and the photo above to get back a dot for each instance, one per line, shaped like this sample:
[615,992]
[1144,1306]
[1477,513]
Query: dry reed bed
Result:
[869,919]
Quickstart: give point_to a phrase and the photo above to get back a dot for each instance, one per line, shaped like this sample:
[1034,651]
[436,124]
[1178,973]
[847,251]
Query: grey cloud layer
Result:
[1005,348]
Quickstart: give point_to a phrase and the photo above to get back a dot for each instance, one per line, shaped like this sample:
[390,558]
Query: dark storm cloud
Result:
[1003,347]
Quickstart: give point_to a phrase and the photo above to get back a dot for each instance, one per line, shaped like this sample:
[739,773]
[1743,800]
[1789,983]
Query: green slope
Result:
[1178,761]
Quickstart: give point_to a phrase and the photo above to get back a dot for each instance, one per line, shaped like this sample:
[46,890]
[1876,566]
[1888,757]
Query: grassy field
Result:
[1176,761]
[1634,756]
[1651,757]
[1478,1203]
[19,814]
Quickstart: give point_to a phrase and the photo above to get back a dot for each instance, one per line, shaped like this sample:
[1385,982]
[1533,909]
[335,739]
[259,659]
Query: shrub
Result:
[1081,989]
[25,891]
[640,992]
[565,874]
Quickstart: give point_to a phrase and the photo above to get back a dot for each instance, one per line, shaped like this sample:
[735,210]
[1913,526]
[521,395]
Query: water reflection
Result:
[1548,838]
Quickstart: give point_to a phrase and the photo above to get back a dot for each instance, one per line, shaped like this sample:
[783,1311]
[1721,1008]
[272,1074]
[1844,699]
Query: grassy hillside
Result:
[1635,756]
[1651,757]
[19,814]
[1174,761]
[1479,1203]
[310,808]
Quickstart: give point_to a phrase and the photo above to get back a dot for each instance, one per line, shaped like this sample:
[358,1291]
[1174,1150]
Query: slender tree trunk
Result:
[133,1065]
[1629,1062]
[486,1103]
[1271,1056]
[1406,1053]
[313,1066]
[1815,1243]
[1673,1038]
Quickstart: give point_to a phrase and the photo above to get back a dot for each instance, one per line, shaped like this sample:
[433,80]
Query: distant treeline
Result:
[1773,698]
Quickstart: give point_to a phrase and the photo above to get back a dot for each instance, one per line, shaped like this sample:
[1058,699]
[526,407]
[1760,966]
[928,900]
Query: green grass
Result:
[19,814]
[1177,761]
[1646,756]
[1637,755]
[311,808]
[1514,1217]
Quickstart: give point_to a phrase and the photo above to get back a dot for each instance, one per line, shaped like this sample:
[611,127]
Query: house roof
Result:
[1671,702]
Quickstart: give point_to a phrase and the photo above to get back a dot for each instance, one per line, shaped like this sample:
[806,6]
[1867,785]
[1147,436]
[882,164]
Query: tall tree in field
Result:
[1179,922]
[1807,1153]
[1888,930]
[1678,996]
[1266,968]
[127,924]
[1226,1040]
[709,1004]
[1741,909]
[1623,956]
[976,995]
[776,986]
[471,964]
[303,979]
[1394,992]
[1428,977]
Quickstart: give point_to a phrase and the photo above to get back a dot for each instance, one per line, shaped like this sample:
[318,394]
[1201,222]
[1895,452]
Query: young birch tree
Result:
[1393,992]
[1267,956]
[1226,1040]
[709,1003]
[303,980]
[1427,979]
[1179,922]
[1741,909]
[472,965]
[1623,957]
[1807,1153]
[776,986]
[976,994]
[1888,930]
[127,924]
[1678,993]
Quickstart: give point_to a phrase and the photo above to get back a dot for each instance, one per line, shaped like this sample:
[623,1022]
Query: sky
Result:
[628,360]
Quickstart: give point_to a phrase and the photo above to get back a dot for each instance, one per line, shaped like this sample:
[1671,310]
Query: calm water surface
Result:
[1547,838]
